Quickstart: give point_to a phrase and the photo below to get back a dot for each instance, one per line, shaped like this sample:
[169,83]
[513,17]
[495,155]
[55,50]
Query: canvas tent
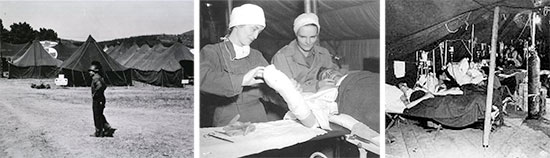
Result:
[414,25]
[21,51]
[34,63]
[126,54]
[423,24]
[9,50]
[141,50]
[65,49]
[75,68]
[349,29]
[140,56]
[120,49]
[163,68]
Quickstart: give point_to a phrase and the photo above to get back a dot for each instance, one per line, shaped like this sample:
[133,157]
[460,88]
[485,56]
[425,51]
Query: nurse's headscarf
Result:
[246,14]
[306,19]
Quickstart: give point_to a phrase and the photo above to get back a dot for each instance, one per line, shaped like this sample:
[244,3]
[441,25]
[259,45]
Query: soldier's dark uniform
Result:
[98,88]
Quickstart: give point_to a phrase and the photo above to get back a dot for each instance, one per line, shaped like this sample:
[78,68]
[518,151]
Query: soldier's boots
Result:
[109,131]
[98,133]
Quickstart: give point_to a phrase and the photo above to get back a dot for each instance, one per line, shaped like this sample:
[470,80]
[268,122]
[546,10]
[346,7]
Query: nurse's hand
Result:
[253,76]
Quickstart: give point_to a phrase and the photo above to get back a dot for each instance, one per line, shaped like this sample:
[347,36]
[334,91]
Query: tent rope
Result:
[524,27]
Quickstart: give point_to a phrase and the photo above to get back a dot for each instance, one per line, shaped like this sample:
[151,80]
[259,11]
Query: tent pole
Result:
[472,42]
[314,5]
[229,6]
[533,28]
[307,6]
[433,60]
[446,52]
[533,75]
[489,101]
[1,57]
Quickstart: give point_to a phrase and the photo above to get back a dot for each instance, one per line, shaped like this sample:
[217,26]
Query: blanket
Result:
[452,110]
[359,97]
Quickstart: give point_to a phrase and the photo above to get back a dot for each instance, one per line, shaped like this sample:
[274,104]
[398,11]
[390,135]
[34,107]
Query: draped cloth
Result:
[359,97]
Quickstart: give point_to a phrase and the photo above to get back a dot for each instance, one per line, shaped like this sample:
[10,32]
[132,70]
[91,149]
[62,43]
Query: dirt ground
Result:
[151,121]
[519,138]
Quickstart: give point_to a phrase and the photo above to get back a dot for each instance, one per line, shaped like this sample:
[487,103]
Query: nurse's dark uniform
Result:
[221,91]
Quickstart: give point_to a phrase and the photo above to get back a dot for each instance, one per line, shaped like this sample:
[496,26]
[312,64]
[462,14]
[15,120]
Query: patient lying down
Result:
[451,110]
[315,109]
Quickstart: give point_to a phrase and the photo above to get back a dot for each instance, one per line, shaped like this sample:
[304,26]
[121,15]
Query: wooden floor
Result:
[516,140]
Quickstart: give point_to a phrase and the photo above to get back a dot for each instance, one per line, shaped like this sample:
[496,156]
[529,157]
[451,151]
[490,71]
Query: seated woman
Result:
[305,106]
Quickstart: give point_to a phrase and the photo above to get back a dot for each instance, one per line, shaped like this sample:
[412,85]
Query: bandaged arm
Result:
[295,101]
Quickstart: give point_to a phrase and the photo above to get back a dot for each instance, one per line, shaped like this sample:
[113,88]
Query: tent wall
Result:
[159,78]
[187,66]
[32,72]
[353,52]
[112,78]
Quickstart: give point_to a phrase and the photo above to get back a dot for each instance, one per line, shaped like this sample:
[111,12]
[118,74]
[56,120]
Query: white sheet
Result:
[267,136]
[393,103]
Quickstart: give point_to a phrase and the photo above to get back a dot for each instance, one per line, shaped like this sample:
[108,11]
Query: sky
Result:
[104,20]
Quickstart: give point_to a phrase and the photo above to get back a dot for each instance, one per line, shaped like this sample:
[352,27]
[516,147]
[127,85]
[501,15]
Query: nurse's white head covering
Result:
[247,14]
[306,19]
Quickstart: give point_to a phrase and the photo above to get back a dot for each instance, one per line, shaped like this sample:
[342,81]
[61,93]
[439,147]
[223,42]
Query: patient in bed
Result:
[320,108]
[451,110]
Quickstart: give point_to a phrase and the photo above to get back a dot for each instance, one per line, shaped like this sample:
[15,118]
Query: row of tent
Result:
[161,66]
[157,65]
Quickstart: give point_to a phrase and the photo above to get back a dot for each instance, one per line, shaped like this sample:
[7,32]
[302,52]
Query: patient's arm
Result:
[452,91]
[414,103]
[295,101]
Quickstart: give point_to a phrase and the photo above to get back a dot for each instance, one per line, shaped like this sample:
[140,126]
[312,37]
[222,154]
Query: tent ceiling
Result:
[413,25]
[339,20]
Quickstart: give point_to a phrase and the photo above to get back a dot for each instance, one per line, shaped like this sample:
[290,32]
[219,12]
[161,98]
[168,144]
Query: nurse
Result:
[302,58]
[231,72]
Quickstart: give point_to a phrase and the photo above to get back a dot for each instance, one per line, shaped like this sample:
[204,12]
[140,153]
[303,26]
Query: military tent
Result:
[76,66]
[21,51]
[127,53]
[9,50]
[120,49]
[141,50]
[163,69]
[35,62]
[141,57]
[65,49]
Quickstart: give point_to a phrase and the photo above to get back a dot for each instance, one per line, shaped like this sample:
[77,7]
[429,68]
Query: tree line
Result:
[23,32]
